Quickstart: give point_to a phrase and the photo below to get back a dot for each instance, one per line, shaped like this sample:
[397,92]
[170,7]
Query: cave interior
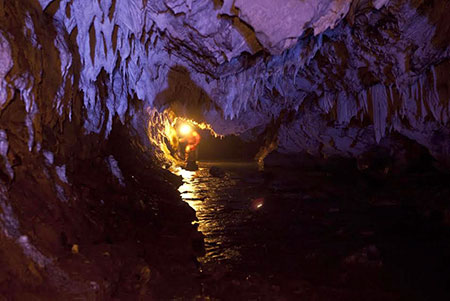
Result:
[321,169]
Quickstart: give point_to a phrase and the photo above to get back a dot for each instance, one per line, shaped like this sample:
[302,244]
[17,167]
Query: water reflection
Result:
[310,235]
[188,189]
[220,207]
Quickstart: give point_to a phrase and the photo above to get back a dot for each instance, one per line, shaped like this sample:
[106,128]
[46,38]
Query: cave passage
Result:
[224,150]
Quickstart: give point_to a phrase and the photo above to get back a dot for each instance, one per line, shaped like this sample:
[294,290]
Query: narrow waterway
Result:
[290,235]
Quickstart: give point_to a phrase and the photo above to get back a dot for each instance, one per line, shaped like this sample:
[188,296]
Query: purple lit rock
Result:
[278,24]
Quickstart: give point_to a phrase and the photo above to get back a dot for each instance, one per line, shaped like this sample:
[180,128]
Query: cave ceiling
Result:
[335,77]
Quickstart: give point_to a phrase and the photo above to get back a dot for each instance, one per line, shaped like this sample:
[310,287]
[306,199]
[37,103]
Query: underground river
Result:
[287,235]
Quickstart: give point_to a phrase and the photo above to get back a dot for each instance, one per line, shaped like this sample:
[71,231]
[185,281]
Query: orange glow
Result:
[185,129]
[200,125]
[257,204]
[163,131]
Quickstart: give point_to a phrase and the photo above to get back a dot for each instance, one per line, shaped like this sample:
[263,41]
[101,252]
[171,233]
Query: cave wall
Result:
[83,202]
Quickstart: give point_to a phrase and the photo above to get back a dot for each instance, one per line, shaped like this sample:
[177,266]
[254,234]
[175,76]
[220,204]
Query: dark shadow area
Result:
[228,148]
[183,96]
[437,13]
[147,216]
[322,234]
[395,155]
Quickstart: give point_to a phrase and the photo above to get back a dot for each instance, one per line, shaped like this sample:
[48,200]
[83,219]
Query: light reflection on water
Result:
[220,205]
[189,189]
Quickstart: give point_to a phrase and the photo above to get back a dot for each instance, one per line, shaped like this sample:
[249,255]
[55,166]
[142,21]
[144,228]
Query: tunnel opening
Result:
[211,146]
[228,148]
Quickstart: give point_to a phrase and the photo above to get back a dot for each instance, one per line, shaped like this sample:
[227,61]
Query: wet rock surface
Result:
[216,171]
[319,235]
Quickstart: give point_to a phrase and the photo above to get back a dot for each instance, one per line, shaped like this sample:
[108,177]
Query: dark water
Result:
[290,235]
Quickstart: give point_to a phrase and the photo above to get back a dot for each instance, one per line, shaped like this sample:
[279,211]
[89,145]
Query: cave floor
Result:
[291,235]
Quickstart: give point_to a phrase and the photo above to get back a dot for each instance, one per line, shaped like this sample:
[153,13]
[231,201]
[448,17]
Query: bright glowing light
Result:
[185,129]
[259,206]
